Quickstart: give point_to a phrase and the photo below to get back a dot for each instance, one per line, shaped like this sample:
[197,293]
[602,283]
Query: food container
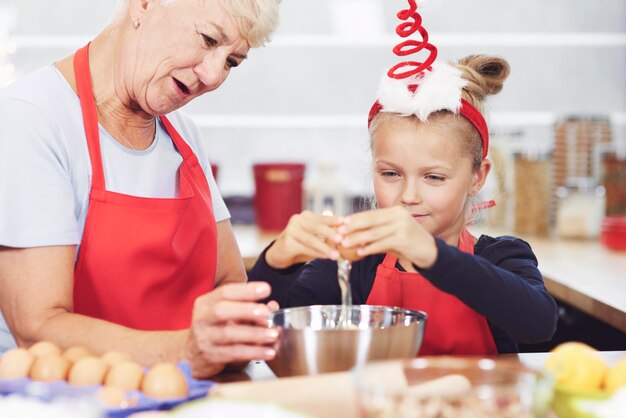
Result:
[532,194]
[278,193]
[613,233]
[614,181]
[581,208]
[571,403]
[452,387]
[27,393]
[320,339]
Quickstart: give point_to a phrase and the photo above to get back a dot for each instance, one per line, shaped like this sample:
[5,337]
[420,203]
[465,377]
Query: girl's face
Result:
[180,52]
[421,167]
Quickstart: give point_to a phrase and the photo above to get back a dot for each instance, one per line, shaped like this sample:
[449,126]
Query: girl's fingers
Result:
[378,247]
[314,247]
[366,220]
[322,226]
[367,236]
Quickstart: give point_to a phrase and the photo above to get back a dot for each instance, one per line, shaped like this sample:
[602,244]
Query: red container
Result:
[278,193]
[613,233]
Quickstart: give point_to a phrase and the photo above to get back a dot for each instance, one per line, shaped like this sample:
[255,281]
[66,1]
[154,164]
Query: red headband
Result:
[412,46]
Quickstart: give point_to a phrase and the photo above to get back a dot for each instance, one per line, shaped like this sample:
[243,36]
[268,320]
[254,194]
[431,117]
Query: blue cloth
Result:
[500,281]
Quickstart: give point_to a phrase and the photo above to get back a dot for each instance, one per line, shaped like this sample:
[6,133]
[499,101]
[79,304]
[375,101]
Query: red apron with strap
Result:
[142,261]
[452,326]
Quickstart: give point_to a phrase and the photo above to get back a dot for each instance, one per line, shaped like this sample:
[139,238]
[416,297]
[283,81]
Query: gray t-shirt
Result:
[45,171]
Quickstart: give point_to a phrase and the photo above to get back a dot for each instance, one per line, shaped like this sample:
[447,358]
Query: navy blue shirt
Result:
[500,281]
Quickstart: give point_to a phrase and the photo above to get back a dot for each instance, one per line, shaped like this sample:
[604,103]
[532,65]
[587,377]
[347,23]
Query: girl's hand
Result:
[228,326]
[307,236]
[390,230]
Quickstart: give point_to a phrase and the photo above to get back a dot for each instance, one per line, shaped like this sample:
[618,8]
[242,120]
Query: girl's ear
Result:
[479,177]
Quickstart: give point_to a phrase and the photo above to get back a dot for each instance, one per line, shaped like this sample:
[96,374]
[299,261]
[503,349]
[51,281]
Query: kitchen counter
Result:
[584,274]
[326,395]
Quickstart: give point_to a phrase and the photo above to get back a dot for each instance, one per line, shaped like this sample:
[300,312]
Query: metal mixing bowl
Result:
[317,339]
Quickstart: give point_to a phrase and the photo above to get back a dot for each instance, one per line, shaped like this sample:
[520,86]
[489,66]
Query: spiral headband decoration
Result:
[421,88]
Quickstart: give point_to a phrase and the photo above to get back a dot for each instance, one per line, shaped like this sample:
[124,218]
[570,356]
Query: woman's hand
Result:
[390,230]
[307,236]
[229,327]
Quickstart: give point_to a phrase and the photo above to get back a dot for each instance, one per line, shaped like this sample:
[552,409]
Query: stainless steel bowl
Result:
[317,339]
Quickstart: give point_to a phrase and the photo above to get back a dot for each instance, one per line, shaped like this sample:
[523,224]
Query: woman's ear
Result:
[136,8]
[479,177]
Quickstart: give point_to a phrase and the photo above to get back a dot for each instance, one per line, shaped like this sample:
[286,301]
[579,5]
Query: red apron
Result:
[452,326]
[142,261]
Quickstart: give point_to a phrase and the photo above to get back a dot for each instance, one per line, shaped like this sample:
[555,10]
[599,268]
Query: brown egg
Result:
[349,253]
[346,253]
[43,348]
[16,363]
[126,375]
[113,357]
[87,371]
[75,353]
[165,381]
[112,396]
[49,368]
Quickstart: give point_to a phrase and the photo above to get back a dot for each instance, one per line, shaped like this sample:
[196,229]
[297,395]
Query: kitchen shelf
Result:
[535,39]
[496,119]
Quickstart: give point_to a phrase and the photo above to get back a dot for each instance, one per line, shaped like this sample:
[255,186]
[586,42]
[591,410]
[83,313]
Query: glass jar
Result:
[532,194]
[581,208]
[614,181]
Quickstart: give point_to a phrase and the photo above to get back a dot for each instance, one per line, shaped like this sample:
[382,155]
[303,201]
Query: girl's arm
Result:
[501,282]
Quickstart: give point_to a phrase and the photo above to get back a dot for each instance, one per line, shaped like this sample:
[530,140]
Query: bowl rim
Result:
[413,312]
[484,363]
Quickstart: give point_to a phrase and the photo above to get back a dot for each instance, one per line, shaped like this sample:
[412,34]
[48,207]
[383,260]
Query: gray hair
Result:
[255,19]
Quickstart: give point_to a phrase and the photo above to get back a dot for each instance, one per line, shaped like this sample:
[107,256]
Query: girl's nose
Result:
[410,193]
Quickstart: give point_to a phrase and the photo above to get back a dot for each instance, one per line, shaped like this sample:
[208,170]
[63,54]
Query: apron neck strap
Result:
[90,115]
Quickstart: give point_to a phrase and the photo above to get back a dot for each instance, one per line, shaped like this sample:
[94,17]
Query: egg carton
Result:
[50,392]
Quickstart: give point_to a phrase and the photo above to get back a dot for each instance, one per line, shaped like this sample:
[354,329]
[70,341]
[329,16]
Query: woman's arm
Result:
[36,301]
[230,268]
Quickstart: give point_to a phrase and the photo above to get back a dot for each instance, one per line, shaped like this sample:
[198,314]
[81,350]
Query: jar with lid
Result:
[326,191]
[581,207]
[532,193]
[614,181]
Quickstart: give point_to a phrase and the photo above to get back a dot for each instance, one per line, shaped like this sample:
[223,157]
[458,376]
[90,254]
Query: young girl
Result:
[429,141]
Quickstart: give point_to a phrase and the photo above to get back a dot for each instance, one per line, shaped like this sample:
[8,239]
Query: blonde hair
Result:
[255,19]
[485,76]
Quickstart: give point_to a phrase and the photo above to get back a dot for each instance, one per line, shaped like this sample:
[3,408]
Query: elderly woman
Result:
[113,234]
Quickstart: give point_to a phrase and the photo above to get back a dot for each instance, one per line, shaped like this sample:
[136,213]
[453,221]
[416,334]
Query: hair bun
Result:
[485,74]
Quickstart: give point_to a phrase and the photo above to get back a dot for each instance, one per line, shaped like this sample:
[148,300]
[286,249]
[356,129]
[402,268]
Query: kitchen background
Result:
[305,96]
[558,128]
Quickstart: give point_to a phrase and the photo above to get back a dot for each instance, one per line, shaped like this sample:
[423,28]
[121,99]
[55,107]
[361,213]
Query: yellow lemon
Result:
[577,368]
[616,376]
[572,345]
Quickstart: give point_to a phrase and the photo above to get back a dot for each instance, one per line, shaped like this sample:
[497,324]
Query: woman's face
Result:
[420,166]
[179,52]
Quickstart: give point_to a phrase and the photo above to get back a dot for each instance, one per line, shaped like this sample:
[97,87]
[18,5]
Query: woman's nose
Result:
[211,71]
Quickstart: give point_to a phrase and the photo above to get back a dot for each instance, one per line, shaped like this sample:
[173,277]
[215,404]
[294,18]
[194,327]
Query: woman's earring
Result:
[135,23]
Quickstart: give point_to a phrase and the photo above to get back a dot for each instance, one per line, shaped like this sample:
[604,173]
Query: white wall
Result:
[306,95]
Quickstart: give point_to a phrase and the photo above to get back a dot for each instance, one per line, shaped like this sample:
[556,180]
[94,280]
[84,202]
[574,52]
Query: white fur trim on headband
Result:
[439,89]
